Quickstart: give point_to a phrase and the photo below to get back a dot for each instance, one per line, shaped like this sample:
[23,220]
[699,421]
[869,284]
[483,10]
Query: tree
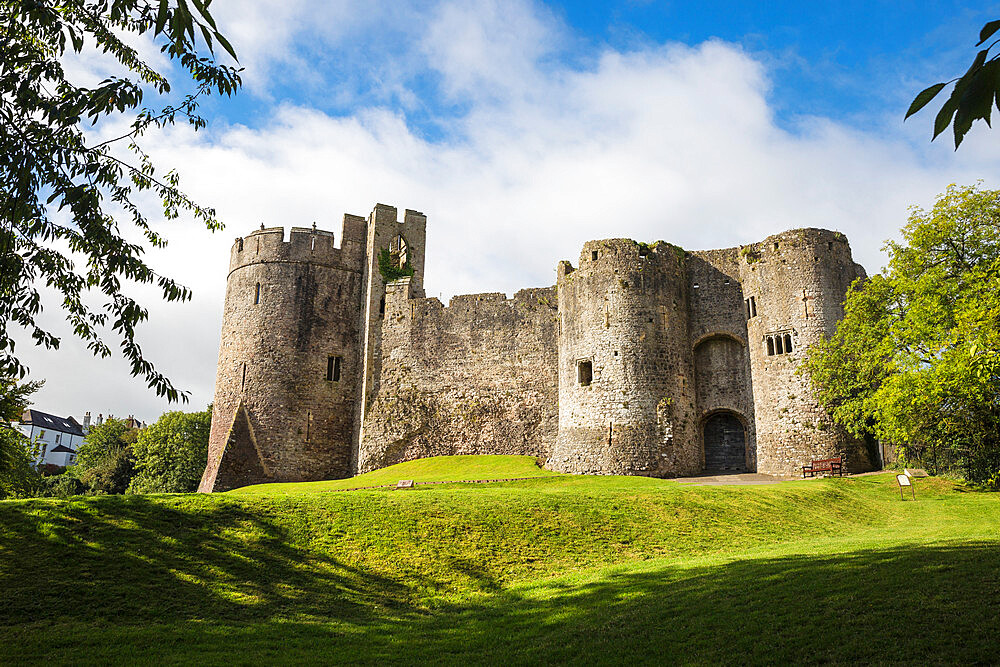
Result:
[974,94]
[63,192]
[105,461]
[170,455]
[916,359]
[18,476]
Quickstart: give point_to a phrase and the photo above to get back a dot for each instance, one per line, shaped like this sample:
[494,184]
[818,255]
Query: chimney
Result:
[86,420]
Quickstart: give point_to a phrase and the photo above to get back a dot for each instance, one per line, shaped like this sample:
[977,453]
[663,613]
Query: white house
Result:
[57,438]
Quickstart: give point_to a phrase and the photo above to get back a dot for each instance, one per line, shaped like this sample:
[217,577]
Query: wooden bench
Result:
[832,466]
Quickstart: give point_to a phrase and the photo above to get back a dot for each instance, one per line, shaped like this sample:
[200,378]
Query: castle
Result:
[644,359]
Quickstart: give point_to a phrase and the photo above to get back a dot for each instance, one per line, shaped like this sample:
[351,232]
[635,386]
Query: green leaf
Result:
[206,33]
[978,96]
[943,117]
[226,45]
[988,31]
[161,17]
[925,96]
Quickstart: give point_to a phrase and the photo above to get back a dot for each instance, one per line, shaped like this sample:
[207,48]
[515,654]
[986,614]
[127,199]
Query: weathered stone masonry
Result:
[642,360]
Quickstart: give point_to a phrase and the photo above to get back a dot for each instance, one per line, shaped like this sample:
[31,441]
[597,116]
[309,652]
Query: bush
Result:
[62,486]
[105,461]
[170,455]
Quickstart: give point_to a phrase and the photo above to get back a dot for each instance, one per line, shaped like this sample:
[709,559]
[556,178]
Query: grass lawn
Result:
[434,469]
[558,568]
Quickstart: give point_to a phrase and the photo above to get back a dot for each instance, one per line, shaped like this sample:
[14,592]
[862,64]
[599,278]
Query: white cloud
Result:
[667,141]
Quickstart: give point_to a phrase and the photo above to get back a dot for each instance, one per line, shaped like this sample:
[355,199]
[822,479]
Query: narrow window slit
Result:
[333,369]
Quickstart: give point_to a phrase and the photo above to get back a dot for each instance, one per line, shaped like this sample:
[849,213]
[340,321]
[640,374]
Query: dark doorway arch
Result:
[725,443]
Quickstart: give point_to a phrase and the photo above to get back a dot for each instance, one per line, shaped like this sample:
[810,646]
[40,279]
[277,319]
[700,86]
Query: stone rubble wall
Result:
[476,377]
[718,335]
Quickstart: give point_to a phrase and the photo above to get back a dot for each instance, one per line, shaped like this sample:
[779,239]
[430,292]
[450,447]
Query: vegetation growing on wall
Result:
[388,266]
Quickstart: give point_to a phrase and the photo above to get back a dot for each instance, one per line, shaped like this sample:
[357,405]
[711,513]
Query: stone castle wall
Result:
[476,377]
[643,360]
[718,335]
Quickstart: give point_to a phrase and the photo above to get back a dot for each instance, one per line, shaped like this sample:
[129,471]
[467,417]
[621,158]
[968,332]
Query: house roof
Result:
[62,448]
[51,422]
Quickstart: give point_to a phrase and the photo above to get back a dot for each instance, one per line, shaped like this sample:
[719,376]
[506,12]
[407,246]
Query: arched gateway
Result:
[725,443]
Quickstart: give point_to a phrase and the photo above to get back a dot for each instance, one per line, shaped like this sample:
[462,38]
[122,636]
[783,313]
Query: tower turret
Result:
[794,284]
[289,367]
[626,403]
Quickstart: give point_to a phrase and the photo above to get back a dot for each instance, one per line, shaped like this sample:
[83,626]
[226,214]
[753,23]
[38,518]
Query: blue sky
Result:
[523,129]
[845,60]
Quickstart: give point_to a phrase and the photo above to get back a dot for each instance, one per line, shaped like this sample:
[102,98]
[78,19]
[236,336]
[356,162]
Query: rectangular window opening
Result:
[593,255]
[585,372]
[333,369]
[256,295]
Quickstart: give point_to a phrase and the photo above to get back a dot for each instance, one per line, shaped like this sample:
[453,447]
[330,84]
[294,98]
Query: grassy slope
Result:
[434,469]
[581,568]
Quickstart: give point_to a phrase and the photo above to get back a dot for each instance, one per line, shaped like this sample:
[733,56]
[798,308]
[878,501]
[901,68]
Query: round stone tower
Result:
[794,284]
[288,371]
[626,396]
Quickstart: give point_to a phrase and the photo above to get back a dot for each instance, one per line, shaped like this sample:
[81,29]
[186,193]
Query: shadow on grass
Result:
[138,560]
[128,579]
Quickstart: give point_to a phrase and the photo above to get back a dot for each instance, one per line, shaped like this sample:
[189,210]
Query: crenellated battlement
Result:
[304,244]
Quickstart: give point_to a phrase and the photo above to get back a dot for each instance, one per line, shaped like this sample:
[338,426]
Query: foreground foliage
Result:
[916,359]
[560,568]
[974,94]
[65,190]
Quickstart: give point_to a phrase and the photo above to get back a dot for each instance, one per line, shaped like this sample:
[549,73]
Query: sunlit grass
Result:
[553,569]
[434,469]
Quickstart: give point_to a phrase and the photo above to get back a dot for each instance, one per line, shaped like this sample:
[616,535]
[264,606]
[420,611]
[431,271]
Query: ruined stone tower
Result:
[643,360]
[798,279]
[626,396]
[290,369]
